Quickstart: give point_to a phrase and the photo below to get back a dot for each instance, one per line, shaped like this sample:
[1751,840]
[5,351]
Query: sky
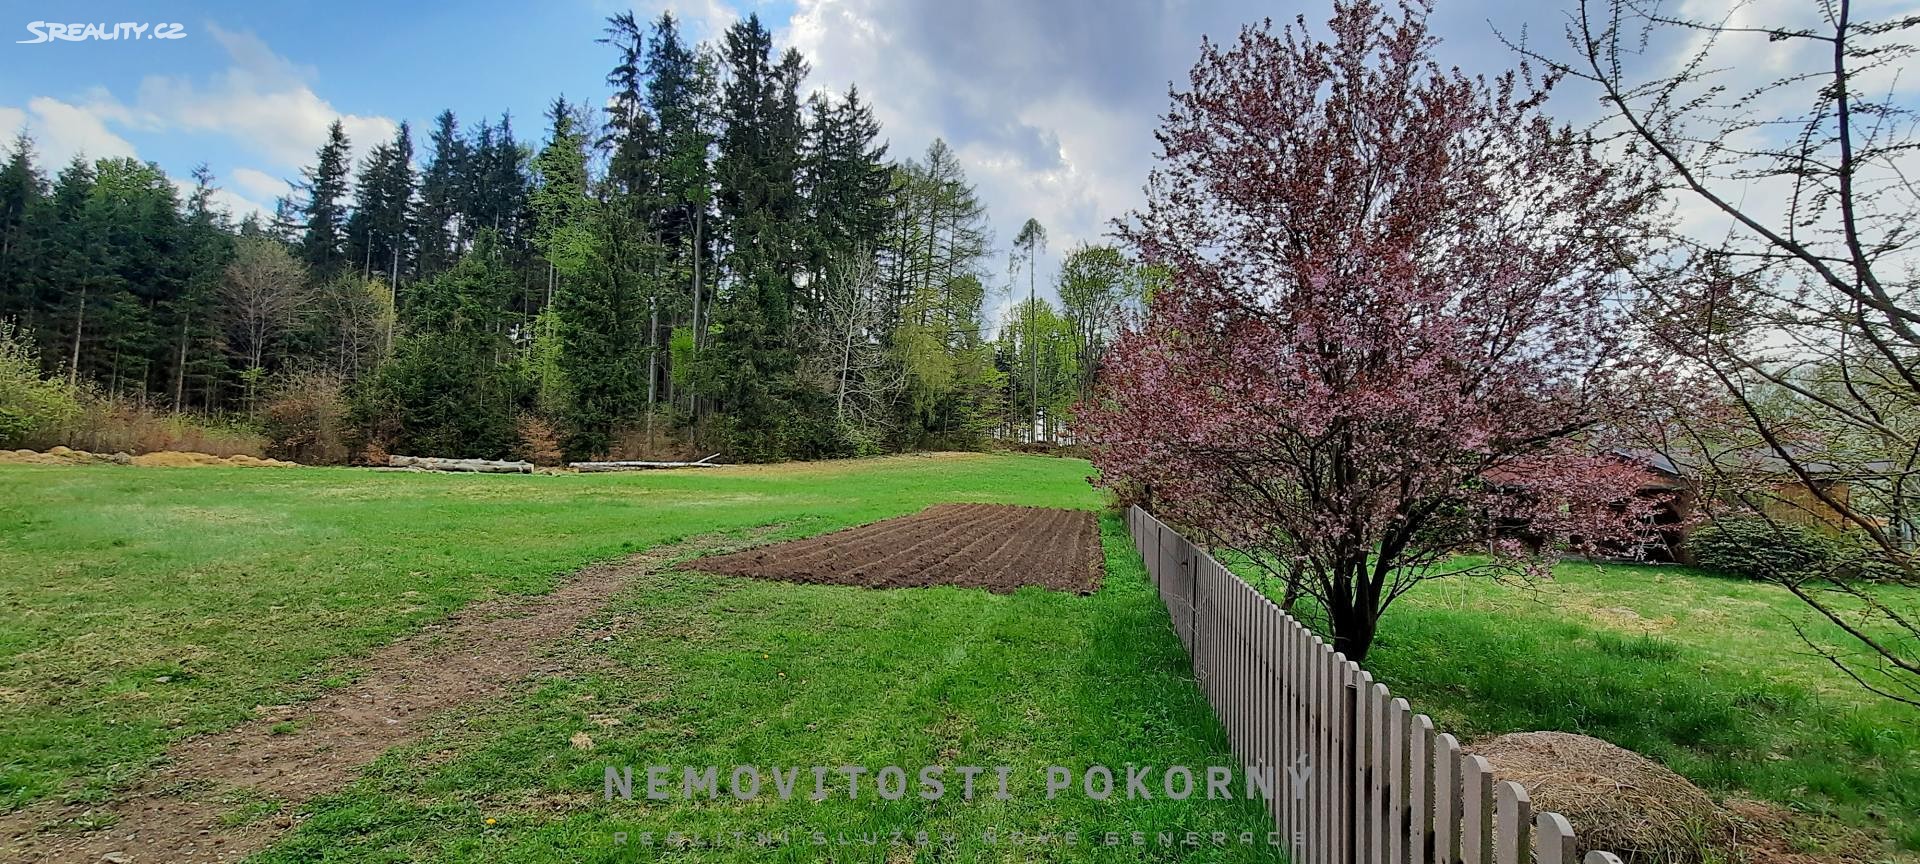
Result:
[1050,104]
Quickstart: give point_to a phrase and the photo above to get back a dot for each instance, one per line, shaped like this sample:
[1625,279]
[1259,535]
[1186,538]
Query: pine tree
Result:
[446,391]
[438,225]
[23,196]
[602,319]
[847,181]
[559,202]
[325,185]
[761,211]
[378,232]
[206,248]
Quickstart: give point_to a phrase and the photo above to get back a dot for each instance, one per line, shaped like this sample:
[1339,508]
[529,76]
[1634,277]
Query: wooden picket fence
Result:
[1358,778]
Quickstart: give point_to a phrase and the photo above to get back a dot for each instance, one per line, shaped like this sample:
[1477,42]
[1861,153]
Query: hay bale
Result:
[1617,800]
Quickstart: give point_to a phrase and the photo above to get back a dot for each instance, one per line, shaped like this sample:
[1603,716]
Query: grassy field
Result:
[143,605]
[1704,673]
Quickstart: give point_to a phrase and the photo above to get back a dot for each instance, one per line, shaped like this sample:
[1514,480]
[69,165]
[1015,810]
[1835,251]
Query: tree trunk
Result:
[1033,344]
[693,385]
[180,367]
[653,360]
[846,360]
[79,326]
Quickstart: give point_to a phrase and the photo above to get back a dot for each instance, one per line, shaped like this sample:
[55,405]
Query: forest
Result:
[718,259]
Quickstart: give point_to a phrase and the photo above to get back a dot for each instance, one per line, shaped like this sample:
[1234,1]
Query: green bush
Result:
[32,408]
[1756,548]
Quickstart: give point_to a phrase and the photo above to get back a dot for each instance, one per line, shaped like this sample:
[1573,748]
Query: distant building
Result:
[1681,485]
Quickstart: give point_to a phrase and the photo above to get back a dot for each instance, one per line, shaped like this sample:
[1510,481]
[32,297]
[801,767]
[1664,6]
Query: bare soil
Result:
[997,547]
[185,810]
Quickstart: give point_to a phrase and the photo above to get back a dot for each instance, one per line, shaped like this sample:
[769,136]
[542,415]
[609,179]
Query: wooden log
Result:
[639,465]
[478,466]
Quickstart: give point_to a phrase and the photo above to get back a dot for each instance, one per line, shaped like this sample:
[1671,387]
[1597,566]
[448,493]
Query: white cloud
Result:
[237,206]
[1051,107]
[699,19]
[62,130]
[259,184]
[262,100]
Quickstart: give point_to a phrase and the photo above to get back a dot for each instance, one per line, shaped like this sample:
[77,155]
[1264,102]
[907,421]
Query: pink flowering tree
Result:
[1391,319]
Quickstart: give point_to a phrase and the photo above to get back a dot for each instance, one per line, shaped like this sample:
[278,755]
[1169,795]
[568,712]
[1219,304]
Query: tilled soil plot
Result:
[997,547]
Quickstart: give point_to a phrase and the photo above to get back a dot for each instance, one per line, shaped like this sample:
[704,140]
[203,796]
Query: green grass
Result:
[141,605]
[1703,673]
[726,671]
[147,604]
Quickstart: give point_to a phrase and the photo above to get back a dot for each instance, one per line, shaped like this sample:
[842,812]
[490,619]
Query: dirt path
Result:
[296,753]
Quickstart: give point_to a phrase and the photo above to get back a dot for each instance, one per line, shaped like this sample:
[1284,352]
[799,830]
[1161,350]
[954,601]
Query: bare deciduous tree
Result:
[864,376]
[265,289]
[1790,286]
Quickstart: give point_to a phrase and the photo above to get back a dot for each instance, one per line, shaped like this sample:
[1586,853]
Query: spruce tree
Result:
[23,195]
[378,232]
[441,196]
[325,186]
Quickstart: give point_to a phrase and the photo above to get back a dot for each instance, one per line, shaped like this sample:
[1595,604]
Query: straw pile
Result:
[1617,800]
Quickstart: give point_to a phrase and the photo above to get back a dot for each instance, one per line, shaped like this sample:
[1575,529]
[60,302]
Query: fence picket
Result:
[1363,843]
[1330,695]
[1379,785]
[1399,715]
[1346,756]
[1447,777]
[1379,704]
[1250,683]
[1553,839]
[1476,811]
[1513,815]
[1420,795]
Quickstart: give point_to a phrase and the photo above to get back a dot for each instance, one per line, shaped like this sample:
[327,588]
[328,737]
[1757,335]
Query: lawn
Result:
[143,605]
[1703,673]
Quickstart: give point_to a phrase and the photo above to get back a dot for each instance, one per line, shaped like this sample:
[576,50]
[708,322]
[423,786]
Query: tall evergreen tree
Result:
[761,210]
[847,182]
[441,195]
[206,248]
[379,231]
[23,194]
[323,246]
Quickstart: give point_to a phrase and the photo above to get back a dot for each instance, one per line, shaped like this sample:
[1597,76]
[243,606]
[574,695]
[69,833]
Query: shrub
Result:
[1753,547]
[33,409]
[305,419]
[538,442]
[107,423]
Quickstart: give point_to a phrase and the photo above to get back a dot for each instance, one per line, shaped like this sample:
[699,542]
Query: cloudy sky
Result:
[1051,105]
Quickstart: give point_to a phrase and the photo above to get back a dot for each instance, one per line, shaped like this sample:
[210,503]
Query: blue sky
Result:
[1050,104]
